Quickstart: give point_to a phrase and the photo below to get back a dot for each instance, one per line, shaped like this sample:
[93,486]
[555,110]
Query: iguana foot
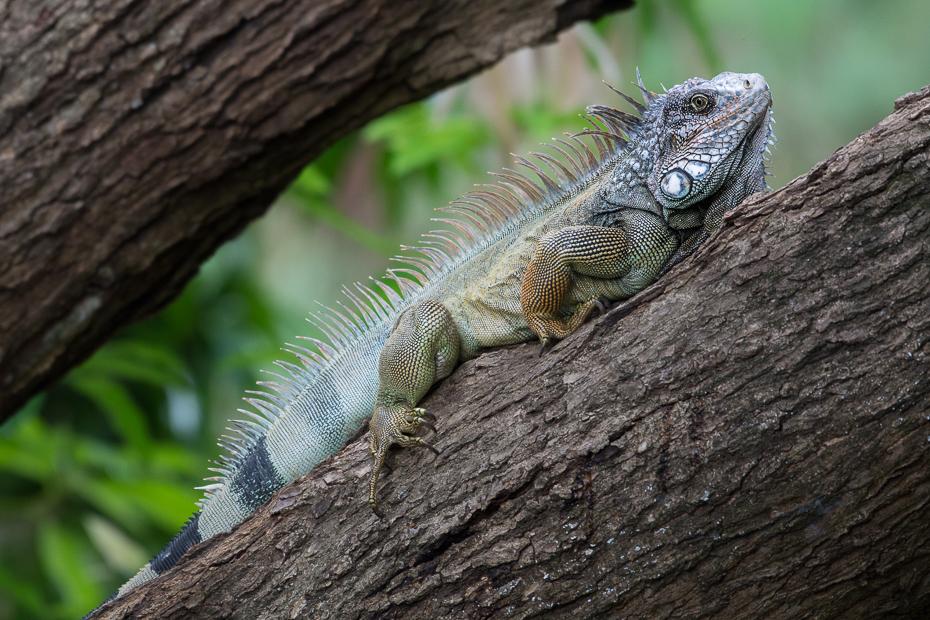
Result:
[396,424]
[593,251]
[554,328]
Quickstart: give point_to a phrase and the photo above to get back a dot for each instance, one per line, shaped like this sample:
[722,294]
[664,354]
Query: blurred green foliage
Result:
[98,474]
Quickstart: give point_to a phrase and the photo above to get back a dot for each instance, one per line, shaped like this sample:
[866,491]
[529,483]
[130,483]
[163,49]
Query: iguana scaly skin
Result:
[526,260]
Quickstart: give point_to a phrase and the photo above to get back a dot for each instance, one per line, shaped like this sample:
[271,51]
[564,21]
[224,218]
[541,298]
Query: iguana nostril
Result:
[747,84]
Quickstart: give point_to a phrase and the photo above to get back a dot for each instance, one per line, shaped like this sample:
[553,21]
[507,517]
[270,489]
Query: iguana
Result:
[524,260]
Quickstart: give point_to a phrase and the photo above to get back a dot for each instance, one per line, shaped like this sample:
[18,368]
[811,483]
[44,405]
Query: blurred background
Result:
[97,474]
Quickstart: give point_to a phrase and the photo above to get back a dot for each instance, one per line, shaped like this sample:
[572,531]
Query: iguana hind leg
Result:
[619,261]
[422,349]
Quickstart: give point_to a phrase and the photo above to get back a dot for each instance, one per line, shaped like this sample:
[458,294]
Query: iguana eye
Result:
[699,102]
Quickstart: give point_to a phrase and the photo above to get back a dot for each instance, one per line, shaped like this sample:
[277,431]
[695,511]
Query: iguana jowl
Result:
[525,260]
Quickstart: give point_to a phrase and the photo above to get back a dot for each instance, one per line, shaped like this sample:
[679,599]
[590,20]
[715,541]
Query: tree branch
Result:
[136,136]
[748,438]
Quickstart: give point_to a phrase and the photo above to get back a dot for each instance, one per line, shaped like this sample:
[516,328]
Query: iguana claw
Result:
[375,509]
[397,424]
[601,303]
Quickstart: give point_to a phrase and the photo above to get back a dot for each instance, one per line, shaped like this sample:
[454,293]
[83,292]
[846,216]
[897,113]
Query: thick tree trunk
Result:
[748,438]
[138,135]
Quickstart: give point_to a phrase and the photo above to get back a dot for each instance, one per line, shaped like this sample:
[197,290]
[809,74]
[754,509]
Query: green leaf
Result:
[541,121]
[63,557]
[120,552]
[118,462]
[113,498]
[113,399]
[30,450]
[165,504]
[135,360]
[28,595]
[415,138]
[133,503]
[327,213]
[170,460]
[313,181]
[248,359]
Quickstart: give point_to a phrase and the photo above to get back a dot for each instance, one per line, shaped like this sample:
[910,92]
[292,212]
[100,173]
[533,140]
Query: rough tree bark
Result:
[138,135]
[748,438]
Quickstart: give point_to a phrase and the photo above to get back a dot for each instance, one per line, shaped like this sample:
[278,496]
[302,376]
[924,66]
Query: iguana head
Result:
[699,139]
[710,133]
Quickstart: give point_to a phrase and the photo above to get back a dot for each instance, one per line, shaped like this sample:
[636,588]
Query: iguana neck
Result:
[628,185]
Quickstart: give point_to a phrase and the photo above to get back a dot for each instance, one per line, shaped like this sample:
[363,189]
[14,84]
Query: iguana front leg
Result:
[423,348]
[623,260]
